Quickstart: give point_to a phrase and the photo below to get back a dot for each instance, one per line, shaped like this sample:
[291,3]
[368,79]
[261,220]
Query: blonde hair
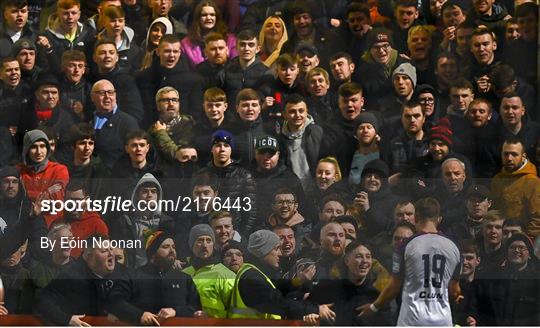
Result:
[428,29]
[333,161]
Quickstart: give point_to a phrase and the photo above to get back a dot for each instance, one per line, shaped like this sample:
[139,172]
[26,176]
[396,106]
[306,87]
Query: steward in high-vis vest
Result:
[255,294]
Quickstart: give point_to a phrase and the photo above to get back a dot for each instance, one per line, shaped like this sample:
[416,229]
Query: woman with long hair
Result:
[272,36]
[159,27]
[206,18]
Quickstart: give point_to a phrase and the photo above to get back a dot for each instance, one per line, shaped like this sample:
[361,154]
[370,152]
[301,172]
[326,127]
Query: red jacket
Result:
[88,224]
[53,179]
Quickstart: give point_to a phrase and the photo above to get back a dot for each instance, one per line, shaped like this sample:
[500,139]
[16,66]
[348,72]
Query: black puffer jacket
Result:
[236,182]
[234,78]
[80,92]
[150,289]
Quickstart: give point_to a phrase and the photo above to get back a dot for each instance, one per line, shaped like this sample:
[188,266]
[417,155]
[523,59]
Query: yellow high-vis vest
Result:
[238,309]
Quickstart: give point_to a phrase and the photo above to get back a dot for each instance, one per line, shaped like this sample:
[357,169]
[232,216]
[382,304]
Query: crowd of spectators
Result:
[293,139]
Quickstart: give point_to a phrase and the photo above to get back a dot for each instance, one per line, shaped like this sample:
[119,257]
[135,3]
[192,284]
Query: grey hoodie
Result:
[144,222]
[29,138]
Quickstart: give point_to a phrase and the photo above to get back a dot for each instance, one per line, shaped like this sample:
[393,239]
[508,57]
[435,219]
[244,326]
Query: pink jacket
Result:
[195,54]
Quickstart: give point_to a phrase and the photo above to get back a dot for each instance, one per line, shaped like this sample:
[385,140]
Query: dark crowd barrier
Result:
[28,320]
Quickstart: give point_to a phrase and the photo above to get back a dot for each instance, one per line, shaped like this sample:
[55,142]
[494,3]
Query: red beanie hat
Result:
[442,131]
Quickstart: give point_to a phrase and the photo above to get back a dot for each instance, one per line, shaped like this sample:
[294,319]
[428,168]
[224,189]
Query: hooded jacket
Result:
[129,53]
[13,211]
[517,195]
[84,40]
[42,177]
[137,224]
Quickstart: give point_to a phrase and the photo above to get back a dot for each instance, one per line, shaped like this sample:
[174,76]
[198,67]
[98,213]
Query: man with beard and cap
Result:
[80,289]
[145,218]
[82,220]
[516,189]
[255,294]
[367,149]
[374,199]
[427,168]
[156,291]
[214,281]
[42,179]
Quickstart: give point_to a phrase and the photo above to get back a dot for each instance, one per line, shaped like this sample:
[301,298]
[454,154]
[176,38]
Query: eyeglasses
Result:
[102,93]
[285,202]
[384,47]
[519,248]
[425,101]
[169,100]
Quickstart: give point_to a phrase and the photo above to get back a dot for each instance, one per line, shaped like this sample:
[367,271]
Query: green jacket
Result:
[215,284]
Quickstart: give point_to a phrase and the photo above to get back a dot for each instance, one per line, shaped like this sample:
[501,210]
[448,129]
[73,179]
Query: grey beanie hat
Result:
[261,242]
[200,230]
[406,69]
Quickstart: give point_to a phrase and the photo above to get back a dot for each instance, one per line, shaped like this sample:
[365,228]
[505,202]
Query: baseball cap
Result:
[266,142]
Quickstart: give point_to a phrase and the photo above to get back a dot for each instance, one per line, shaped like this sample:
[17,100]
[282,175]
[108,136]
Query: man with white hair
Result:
[452,195]
[110,123]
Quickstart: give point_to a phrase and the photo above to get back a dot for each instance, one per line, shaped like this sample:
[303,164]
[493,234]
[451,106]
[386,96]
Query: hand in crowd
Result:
[76,321]
[311,319]
[362,201]
[268,102]
[364,310]
[158,126]
[199,314]
[483,84]
[13,130]
[306,274]
[149,319]
[166,313]
[178,265]
[3,310]
[471,321]
[77,107]
[36,206]
[449,33]
[335,22]
[43,42]
[326,314]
